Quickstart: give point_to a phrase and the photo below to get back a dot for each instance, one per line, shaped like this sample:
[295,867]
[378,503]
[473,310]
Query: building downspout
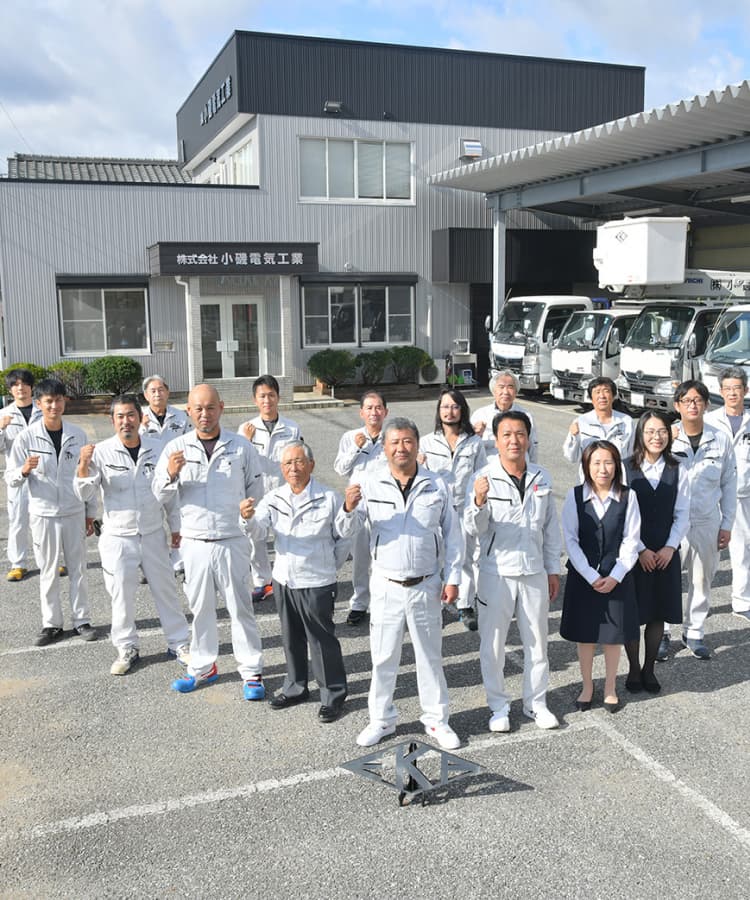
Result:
[189,330]
[498,257]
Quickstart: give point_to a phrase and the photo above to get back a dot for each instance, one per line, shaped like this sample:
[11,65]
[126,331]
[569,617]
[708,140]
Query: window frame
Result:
[102,289]
[356,199]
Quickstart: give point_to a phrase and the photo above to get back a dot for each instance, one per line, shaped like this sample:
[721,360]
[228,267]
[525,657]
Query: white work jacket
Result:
[311,530]
[130,507]
[51,483]
[487,415]
[712,474]
[516,537]
[16,426]
[176,422]
[270,446]
[351,458]
[413,538]
[740,442]
[209,492]
[456,466]
[618,432]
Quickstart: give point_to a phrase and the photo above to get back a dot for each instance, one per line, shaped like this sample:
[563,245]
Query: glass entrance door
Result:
[230,338]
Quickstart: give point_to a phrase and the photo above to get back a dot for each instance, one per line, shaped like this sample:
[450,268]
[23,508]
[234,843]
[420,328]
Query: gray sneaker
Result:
[696,647]
[127,658]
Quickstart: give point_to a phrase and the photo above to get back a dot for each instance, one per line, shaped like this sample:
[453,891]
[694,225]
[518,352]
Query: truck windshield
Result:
[584,331]
[730,340]
[660,326]
[518,320]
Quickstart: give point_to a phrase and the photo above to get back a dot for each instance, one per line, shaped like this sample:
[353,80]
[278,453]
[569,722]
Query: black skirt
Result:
[659,594]
[592,618]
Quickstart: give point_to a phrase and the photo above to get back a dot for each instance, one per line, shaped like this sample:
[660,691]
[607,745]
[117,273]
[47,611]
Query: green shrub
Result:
[407,361]
[39,372]
[372,366]
[332,366]
[73,375]
[114,375]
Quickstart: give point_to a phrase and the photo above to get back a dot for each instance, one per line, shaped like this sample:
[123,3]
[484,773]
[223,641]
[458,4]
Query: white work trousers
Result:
[53,536]
[121,555]
[739,554]
[360,599]
[467,589]
[418,608]
[260,562]
[221,567]
[700,559]
[18,527]
[499,597]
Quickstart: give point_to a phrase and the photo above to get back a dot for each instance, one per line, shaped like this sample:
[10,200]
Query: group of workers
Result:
[463,515]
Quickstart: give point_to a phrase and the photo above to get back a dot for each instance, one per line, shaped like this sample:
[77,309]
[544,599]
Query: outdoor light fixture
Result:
[333,107]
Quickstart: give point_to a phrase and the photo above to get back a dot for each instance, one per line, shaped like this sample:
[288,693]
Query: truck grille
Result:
[502,362]
[641,383]
[567,379]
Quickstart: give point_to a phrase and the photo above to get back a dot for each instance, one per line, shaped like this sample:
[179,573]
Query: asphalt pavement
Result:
[115,787]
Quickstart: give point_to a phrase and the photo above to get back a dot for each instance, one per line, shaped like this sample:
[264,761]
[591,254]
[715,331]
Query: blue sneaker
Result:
[254,689]
[188,683]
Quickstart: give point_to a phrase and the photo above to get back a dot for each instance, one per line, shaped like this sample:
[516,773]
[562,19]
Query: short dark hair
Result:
[372,393]
[400,423]
[49,387]
[590,450]
[601,381]
[16,375]
[266,381]
[516,415]
[125,400]
[736,372]
[691,385]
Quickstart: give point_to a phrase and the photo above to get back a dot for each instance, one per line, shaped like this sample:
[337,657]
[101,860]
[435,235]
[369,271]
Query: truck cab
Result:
[589,347]
[729,345]
[523,336]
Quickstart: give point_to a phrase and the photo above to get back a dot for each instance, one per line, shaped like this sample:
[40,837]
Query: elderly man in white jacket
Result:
[122,468]
[511,510]
[312,526]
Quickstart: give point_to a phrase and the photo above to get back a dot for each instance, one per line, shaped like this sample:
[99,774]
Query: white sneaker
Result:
[499,721]
[374,733]
[128,656]
[444,735]
[543,717]
[182,654]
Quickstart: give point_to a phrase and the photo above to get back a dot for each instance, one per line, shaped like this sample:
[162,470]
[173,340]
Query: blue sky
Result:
[106,77]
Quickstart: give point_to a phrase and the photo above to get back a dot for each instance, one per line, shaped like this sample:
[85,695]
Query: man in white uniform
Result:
[734,420]
[269,433]
[14,420]
[45,458]
[211,471]
[603,423]
[415,544]
[122,467]
[504,386]
[510,508]
[359,449]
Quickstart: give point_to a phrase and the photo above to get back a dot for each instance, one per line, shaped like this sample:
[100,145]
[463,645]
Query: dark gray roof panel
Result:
[25,167]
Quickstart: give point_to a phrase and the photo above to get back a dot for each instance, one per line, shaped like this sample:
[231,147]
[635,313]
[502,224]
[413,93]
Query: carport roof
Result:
[689,158]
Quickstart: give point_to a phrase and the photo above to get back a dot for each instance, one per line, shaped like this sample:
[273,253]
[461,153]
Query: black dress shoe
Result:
[612,706]
[328,714]
[633,685]
[281,701]
[650,684]
[583,705]
[356,616]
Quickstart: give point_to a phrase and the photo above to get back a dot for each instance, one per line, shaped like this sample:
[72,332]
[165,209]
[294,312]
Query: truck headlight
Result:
[665,388]
[554,380]
[622,382]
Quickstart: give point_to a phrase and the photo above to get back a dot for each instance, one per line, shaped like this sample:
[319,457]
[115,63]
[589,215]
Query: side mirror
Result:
[488,323]
[692,345]
[550,337]
[614,343]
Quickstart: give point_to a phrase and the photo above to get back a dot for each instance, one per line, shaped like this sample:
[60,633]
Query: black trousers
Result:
[306,616]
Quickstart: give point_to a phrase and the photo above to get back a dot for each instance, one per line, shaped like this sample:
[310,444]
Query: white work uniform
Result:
[619,431]
[133,535]
[57,516]
[414,539]
[458,468]
[351,462]
[713,499]
[487,415]
[18,497]
[215,546]
[176,422]
[519,546]
[269,445]
[739,545]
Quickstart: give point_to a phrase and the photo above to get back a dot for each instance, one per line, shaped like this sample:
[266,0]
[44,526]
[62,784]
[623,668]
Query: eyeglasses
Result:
[295,463]
[656,432]
[692,401]
[449,408]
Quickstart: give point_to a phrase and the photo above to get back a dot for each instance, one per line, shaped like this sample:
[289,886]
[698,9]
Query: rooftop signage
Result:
[219,97]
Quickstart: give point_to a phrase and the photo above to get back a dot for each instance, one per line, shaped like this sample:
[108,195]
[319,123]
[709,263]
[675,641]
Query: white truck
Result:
[729,345]
[666,342]
[589,347]
[523,336]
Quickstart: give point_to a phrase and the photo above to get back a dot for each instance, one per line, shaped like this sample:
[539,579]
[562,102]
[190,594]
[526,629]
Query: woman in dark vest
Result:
[661,486]
[601,526]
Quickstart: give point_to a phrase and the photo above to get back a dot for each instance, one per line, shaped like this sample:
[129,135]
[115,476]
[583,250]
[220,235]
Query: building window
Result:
[104,320]
[357,315]
[355,170]
[241,165]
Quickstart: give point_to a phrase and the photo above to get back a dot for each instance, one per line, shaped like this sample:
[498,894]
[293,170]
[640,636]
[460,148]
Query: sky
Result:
[106,77]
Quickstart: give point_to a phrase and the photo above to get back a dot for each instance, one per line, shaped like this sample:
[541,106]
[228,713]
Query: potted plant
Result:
[332,367]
